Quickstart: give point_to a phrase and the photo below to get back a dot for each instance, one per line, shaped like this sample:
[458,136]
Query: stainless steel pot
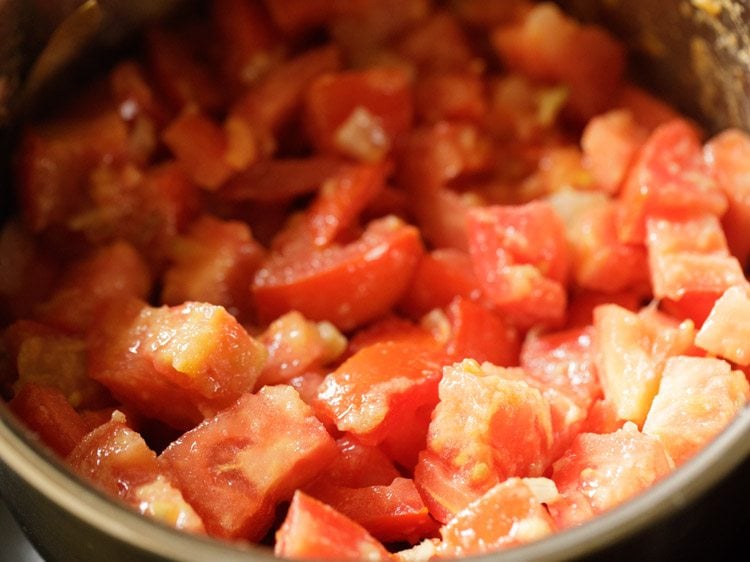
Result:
[695,53]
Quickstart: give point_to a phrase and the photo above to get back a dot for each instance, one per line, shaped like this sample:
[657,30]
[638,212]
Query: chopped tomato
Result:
[51,357]
[346,285]
[213,262]
[46,412]
[631,349]
[313,530]
[372,392]
[723,334]
[451,96]
[669,177]
[195,356]
[116,459]
[381,98]
[506,431]
[727,156]
[509,514]
[697,398]
[442,275]
[548,45]
[520,257]
[111,272]
[236,467]
[593,467]
[437,43]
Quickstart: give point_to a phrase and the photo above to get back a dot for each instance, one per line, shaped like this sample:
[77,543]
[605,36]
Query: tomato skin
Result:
[347,285]
[236,467]
[313,530]
[47,413]
[220,362]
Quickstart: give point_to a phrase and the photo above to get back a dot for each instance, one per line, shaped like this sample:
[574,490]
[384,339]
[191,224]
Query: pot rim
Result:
[39,469]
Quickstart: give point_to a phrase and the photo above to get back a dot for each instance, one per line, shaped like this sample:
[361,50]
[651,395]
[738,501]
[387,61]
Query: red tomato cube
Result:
[725,331]
[236,467]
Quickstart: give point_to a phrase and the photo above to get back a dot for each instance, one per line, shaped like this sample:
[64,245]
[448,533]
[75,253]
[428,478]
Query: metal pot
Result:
[696,54]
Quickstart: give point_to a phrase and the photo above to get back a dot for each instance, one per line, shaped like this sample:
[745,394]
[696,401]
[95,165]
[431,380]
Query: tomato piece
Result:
[236,467]
[727,155]
[519,254]
[194,356]
[376,388]
[450,96]
[274,100]
[392,512]
[600,260]
[200,146]
[437,43]
[55,160]
[631,349]
[50,357]
[179,74]
[296,345]
[507,515]
[358,466]
[23,257]
[313,530]
[547,45]
[389,328]
[690,263]
[480,334]
[341,200]
[442,275]
[110,272]
[724,333]
[359,113]
[346,285]
[46,411]
[649,111]
[116,459]
[248,41]
[698,397]
[214,263]
[610,143]
[507,431]
[583,303]
[593,466]
[669,177]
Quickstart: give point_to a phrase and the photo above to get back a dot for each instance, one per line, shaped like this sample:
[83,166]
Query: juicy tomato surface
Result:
[375,279]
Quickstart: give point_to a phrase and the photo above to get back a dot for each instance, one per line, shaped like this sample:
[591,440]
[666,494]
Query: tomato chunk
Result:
[346,285]
[509,514]
[116,459]
[506,431]
[725,331]
[47,413]
[195,356]
[520,257]
[697,398]
[236,467]
[313,530]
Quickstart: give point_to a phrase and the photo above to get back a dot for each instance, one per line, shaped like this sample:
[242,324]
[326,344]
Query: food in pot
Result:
[375,279]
